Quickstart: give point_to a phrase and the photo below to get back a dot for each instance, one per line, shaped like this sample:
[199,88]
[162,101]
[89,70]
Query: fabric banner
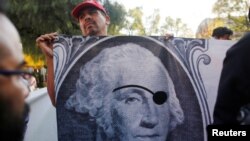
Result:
[136,88]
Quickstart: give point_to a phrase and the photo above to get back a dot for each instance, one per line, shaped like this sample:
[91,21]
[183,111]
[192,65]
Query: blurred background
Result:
[35,17]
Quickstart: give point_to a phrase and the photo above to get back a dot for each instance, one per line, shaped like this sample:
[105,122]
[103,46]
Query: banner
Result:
[133,88]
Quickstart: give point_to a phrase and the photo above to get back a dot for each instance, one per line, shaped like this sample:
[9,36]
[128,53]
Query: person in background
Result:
[93,21]
[43,73]
[30,69]
[13,110]
[31,80]
[222,33]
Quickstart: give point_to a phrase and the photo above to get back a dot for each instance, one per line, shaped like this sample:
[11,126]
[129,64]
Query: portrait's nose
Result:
[150,118]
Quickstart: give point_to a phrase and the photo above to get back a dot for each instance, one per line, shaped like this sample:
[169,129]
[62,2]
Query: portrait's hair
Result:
[103,73]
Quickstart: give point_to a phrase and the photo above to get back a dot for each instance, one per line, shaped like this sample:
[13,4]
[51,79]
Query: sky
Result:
[191,12]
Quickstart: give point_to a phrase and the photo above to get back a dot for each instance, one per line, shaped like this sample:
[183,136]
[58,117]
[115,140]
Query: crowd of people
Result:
[234,87]
[38,78]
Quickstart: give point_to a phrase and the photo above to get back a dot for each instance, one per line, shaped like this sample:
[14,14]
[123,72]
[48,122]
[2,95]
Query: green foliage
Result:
[230,7]
[36,17]
[117,15]
[235,13]
[175,26]
[230,13]
[205,29]
[153,21]
[135,23]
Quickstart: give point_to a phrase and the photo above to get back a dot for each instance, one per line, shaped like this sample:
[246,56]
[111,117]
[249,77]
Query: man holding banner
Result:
[93,21]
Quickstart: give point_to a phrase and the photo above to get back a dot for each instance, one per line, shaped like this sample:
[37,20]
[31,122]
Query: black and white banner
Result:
[136,88]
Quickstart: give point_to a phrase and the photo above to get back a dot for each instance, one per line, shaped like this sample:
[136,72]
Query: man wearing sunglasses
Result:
[12,89]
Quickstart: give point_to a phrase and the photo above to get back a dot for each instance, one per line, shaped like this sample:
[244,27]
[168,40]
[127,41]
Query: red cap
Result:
[85,4]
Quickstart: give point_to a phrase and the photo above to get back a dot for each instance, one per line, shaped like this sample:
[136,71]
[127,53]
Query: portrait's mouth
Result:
[148,136]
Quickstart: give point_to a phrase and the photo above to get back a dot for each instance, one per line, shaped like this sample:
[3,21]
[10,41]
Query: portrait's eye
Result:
[133,100]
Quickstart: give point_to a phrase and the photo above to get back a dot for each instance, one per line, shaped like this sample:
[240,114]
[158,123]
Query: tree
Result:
[134,21]
[35,17]
[117,15]
[224,8]
[236,14]
[153,22]
[207,26]
[177,27]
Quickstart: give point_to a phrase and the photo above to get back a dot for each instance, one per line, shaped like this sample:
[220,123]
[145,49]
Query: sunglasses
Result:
[14,72]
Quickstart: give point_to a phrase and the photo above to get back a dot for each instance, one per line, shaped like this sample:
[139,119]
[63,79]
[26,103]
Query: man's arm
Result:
[45,43]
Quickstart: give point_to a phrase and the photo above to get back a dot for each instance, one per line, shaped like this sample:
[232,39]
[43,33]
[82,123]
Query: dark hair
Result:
[221,31]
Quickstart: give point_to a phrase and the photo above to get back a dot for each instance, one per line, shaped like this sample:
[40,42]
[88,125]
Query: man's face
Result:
[225,37]
[12,89]
[93,22]
[136,117]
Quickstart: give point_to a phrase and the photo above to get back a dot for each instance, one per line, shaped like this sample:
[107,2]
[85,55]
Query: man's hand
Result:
[169,36]
[45,43]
